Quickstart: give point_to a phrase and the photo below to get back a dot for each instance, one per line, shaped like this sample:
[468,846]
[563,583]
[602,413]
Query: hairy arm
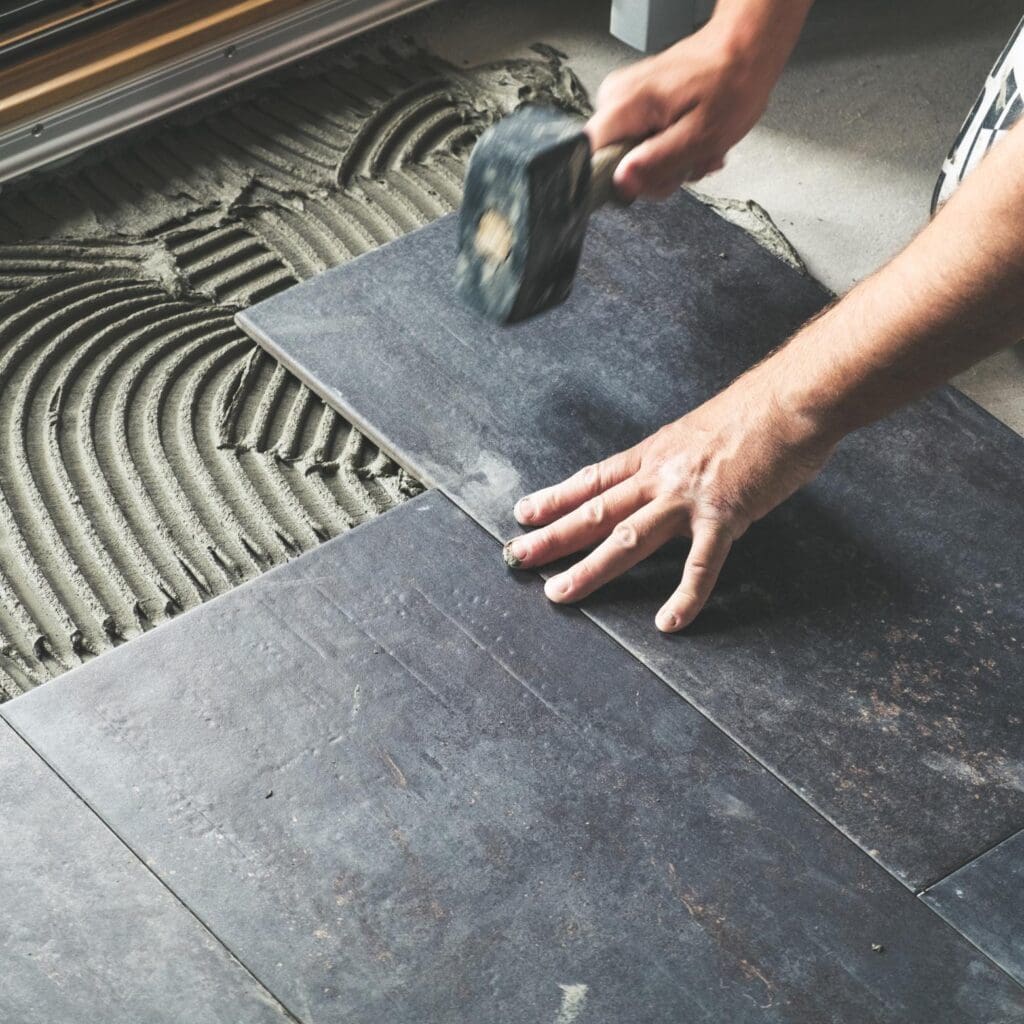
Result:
[953,296]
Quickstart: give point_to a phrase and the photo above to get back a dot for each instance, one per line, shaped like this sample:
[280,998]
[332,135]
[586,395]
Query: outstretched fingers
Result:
[708,552]
[584,526]
[631,541]
[545,506]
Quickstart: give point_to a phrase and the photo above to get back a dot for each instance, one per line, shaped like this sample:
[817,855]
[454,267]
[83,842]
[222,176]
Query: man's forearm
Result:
[953,296]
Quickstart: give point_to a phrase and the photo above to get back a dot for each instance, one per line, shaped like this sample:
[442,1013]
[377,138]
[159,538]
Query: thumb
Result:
[667,159]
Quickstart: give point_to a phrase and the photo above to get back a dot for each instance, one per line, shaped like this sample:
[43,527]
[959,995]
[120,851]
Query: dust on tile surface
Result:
[150,455]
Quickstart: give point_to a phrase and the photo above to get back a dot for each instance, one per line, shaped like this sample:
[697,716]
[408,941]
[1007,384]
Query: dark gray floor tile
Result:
[87,933]
[985,900]
[866,638]
[404,788]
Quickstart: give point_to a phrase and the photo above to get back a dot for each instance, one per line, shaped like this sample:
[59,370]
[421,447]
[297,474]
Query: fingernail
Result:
[524,509]
[514,554]
[666,621]
[558,586]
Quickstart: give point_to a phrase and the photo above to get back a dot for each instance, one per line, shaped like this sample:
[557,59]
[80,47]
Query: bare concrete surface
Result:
[846,157]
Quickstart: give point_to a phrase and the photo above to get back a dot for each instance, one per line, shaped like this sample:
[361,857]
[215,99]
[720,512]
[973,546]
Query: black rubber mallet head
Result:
[531,186]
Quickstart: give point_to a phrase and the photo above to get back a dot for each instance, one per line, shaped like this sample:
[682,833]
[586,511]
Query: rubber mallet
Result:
[531,185]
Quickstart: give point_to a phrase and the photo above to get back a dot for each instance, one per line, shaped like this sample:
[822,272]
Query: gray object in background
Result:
[651,25]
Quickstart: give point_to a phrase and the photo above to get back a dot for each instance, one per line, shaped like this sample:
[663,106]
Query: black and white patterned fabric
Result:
[996,111]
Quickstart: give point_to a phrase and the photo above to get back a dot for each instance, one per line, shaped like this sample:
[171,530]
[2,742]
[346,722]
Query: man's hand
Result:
[953,296]
[694,101]
[707,476]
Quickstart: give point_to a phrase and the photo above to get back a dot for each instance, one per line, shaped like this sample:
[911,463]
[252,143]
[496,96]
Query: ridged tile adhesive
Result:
[151,456]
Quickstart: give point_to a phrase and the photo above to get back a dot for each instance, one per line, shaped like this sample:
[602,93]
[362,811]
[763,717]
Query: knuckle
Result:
[623,85]
[595,510]
[620,109]
[656,105]
[626,536]
[721,511]
[676,477]
[648,489]
[600,476]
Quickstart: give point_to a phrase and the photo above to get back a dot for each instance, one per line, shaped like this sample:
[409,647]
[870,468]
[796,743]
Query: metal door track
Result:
[128,104]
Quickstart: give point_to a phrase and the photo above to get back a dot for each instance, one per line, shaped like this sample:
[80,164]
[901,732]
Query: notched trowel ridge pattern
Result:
[150,455]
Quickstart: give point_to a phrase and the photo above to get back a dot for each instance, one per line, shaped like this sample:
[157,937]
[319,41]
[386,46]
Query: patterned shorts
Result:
[994,113]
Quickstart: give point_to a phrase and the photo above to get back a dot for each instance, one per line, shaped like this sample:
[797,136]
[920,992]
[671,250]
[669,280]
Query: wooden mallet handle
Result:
[602,169]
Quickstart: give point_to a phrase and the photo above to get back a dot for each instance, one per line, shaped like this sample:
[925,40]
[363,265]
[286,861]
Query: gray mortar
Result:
[757,222]
[150,456]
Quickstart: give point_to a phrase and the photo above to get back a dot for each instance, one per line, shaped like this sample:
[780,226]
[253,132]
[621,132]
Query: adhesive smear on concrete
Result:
[151,457]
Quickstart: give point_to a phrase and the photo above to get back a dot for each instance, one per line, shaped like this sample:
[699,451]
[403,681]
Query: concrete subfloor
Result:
[846,156]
